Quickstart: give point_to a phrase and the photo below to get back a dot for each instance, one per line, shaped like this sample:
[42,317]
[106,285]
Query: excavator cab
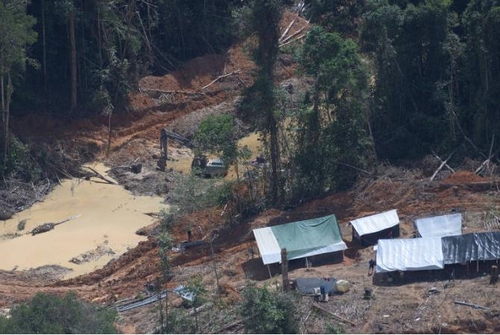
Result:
[208,168]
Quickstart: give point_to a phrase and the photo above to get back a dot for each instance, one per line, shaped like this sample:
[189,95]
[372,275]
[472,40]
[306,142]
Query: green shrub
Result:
[50,314]
[179,322]
[267,312]
[334,329]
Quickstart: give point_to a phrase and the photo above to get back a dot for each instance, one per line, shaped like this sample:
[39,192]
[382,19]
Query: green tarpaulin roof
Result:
[300,239]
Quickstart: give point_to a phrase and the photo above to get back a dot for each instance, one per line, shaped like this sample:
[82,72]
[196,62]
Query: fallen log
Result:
[228,326]
[100,176]
[220,77]
[341,319]
[471,305]
[439,158]
[155,215]
[288,28]
[285,40]
[443,164]
[43,228]
[490,157]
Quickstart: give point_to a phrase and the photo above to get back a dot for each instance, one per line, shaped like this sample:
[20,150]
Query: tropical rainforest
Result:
[391,79]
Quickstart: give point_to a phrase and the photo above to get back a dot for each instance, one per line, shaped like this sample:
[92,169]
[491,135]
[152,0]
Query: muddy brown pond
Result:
[103,221]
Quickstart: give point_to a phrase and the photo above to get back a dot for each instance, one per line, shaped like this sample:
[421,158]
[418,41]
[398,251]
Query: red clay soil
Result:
[214,79]
[463,177]
[202,82]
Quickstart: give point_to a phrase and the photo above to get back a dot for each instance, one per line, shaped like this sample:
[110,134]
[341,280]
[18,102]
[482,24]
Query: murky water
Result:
[108,217]
[104,218]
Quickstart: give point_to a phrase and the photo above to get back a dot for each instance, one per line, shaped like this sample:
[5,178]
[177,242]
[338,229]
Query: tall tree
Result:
[332,139]
[16,34]
[340,16]
[72,39]
[407,45]
[266,16]
[191,28]
[480,75]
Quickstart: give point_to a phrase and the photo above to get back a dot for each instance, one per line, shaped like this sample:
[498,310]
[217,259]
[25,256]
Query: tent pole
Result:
[269,270]
[284,269]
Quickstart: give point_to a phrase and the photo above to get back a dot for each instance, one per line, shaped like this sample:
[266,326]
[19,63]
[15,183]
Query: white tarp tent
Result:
[439,226]
[412,254]
[268,245]
[375,223]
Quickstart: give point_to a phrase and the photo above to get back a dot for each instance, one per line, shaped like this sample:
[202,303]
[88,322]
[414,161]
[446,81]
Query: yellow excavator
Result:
[203,166]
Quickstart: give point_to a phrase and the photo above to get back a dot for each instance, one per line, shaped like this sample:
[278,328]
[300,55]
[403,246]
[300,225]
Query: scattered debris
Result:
[96,174]
[184,293]
[228,326]
[432,291]
[92,255]
[475,306]
[339,318]
[188,244]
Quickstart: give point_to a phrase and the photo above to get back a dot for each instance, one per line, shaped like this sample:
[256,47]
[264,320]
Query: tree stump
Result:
[368,293]
[162,163]
[494,274]
[136,168]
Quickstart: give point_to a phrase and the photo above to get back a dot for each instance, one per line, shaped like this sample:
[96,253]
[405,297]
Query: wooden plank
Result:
[333,314]
[471,305]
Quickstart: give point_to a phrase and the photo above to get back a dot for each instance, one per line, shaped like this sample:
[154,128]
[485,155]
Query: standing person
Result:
[371,269]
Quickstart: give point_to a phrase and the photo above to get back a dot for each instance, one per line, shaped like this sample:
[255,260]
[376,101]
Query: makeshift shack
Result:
[439,226]
[409,254]
[471,247]
[368,230]
[301,239]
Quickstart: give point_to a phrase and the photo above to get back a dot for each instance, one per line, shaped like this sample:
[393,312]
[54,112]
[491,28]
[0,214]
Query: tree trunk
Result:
[99,44]
[108,148]
[44,46]
[74,101]
[275,159]
[2,95]
[6,116]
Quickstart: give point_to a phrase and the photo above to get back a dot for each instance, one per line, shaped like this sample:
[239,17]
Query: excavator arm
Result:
[165,135]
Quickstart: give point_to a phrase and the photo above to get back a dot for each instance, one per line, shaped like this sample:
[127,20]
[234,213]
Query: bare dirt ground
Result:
[178,101]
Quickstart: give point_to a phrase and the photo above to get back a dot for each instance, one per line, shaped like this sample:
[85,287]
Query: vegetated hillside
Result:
[210,85]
